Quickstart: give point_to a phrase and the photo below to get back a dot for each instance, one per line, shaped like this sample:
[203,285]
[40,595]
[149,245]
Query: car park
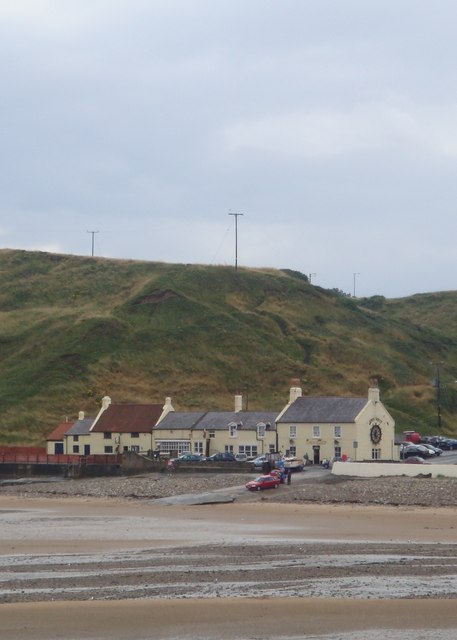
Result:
[263,482]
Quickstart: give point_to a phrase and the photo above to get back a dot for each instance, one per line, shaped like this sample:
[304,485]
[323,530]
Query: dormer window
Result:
[261,428]
[233,427]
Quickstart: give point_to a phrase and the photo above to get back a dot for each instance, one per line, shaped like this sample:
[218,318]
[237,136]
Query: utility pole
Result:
[93,234]
[236,236]
[355,274]
[311,276]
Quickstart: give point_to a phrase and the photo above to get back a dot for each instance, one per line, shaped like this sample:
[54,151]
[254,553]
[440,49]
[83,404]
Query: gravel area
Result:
[324,488]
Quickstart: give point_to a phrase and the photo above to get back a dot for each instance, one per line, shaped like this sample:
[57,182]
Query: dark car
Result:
[189,457]
[448,444]
[225,456]
[415,450]
[435,450]
[263,482]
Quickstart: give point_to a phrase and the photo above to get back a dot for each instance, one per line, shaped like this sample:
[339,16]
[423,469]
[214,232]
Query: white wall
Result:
[380,469]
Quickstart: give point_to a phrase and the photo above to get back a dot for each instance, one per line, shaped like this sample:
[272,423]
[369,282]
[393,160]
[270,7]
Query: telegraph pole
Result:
[93,234]
[355,274]
[236,236]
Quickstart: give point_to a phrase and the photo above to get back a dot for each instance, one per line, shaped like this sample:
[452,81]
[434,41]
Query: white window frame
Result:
[337,431]
[292,431]
[376,453]
[228,448]
[261,430]
[198,447]
[233,430]
[249,449]
[316,431]
[167,446]
[337,452]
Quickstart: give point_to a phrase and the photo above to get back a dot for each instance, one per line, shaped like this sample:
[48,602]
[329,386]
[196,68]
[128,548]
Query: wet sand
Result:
[37,531]
[228,619]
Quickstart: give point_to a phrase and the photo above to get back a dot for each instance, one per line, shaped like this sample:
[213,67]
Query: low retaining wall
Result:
[27,470]
[381,469]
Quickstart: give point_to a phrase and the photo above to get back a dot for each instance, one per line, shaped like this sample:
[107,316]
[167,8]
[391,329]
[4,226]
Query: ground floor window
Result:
[292,451]
[228,448]
[135,448]
[198,447]
[75,448]
[168,446]
[108,449]
[272,448]
[337,452]
[249,449]
[376,454]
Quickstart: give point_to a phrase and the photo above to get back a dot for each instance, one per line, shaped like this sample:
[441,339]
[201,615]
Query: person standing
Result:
[289,476]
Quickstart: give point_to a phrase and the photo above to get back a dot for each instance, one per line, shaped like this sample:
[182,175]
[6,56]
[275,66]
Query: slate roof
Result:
[246,420]
[128,418]
[81,427]
[323,410]
[180,420]
[59,432]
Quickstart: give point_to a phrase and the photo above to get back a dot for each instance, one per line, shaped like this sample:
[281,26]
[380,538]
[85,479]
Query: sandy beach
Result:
[85,567]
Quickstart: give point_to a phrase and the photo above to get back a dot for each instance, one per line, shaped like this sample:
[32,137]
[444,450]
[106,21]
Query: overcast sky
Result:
[330,124]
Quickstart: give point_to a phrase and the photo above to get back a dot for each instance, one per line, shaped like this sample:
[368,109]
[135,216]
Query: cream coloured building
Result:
[238,431]
[325,427]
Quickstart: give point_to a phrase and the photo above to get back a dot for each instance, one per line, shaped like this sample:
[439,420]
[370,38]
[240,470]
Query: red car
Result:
[263,482]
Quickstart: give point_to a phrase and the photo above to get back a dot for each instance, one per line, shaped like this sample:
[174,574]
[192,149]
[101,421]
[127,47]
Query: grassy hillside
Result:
[74,329]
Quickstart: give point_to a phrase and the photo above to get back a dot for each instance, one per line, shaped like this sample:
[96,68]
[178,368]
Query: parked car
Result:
[259,461]
[415,460]
[190,457]
[435,450]
[448,444]
[225,456]
[263,482]
[241,457]
[415,450]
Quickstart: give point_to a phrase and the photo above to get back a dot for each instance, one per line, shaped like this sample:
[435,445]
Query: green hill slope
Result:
[74,329]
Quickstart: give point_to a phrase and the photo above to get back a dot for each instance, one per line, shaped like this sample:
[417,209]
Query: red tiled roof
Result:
[128,418]
[60,431]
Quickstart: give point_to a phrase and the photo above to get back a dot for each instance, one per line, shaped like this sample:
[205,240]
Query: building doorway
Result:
[316,454]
